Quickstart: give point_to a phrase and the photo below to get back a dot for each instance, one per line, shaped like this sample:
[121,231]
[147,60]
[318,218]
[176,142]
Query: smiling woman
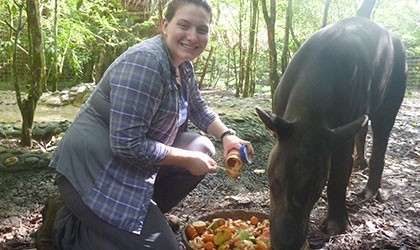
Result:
[186,33]
[127,158]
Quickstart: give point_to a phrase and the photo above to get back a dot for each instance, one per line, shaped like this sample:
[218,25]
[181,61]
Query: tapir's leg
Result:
[383,120]
[360,147]
[381,129]
[341,166]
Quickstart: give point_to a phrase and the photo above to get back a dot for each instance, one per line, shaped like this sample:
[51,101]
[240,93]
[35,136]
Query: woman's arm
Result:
[230,141]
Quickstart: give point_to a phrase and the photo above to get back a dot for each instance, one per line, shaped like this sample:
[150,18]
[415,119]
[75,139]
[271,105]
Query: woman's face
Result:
[187,34]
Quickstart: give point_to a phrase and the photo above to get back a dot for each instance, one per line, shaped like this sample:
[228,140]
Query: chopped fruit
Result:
[200,226]
[226,234]
[191,232]
[254,220]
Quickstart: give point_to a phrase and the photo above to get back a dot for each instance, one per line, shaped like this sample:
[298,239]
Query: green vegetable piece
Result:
[216,223]
[243,235]
[222,236]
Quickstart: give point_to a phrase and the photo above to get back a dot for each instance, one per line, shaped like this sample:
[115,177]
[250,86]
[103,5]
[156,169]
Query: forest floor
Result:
[393,222]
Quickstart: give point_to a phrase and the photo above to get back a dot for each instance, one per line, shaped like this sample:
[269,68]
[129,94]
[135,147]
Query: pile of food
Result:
[229,234]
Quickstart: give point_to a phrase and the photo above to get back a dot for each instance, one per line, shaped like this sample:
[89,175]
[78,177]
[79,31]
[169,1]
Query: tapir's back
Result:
[347,67]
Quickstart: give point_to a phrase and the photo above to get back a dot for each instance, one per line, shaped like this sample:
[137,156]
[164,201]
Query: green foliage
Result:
[402,18]
[91,32]
[6,86]
[87,29]
[94,28]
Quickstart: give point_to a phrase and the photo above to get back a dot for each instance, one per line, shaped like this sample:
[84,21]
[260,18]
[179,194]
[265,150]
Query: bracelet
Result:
[227,132]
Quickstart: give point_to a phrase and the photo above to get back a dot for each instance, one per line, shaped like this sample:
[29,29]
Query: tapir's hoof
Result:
[331,227]
[368,194]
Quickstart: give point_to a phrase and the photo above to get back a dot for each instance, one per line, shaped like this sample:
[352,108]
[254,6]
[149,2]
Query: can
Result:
[243,150]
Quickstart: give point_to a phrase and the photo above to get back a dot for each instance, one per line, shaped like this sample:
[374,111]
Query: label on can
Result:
[243,150]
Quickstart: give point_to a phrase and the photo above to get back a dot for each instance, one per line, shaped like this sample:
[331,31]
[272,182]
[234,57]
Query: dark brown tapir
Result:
[343,75]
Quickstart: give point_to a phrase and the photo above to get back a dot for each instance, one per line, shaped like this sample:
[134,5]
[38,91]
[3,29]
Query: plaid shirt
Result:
[110,151]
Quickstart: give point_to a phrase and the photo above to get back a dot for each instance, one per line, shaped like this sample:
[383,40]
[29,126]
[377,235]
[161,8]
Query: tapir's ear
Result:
[343,133]
[273,122]
[266,118]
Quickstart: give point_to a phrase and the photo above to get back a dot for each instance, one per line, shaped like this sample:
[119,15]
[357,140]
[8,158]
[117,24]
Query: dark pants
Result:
[174,183]
[77,227]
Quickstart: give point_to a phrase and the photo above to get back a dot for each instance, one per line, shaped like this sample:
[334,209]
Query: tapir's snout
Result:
[287,232]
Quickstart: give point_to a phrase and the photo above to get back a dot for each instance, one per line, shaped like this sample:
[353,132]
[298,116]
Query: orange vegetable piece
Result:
[254,220]
[191,232]
[261,246]
[209,246]
[200,226]
[207,237]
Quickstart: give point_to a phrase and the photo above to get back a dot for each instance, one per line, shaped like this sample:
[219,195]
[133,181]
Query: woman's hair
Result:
[175,4]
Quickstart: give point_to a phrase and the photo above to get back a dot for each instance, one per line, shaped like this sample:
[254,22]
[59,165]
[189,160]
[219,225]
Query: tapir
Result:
[345,74]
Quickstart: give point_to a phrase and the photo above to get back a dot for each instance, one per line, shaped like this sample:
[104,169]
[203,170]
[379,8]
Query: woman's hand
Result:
[233,141]
[196,162]
[217,128]
[201,163]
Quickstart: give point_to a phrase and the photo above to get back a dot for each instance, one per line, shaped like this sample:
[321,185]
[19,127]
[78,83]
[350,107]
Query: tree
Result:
[326,10]
[248,84]
[36,83]
[285,54]
[55,69]
[205,67]
[270,20]
[241,50]
[366,8]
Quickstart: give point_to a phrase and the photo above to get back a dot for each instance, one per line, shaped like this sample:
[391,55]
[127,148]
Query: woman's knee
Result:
[195,142]
[205,145]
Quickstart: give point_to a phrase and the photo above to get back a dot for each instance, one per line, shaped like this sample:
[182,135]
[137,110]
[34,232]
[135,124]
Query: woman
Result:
[128,158]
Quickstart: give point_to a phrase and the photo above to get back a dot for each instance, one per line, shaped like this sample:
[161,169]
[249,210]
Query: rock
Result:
[76,95]
[13,221]
[31,160]
[11,161]
[54,101]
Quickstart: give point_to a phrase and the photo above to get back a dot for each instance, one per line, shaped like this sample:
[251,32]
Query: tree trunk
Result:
[255,60]
[54,65]
[28,112]
[366,8]
[285,53]
[249,60]
[242,53]
[231,54]
[326,10]
[270,20]
[205,67]
[16,34]
[106,56]
[89,67]
[235,67]
[37,70]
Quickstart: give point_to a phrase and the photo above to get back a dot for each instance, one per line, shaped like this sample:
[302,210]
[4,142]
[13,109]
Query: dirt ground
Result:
[393,222]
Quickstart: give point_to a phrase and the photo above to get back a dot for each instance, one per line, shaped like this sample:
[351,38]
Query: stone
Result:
[11,161]
[54,101]
[31,160]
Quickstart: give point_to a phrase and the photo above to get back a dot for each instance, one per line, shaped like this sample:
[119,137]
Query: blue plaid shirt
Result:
[110,151]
